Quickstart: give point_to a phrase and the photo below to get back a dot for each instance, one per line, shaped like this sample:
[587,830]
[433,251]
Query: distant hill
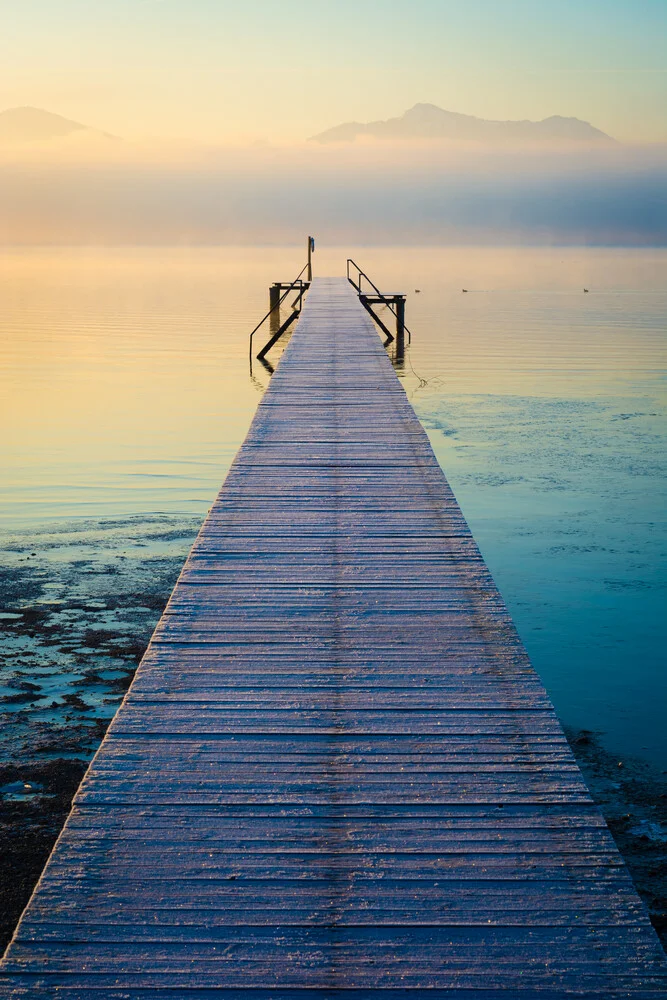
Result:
[426,121]
[18,125]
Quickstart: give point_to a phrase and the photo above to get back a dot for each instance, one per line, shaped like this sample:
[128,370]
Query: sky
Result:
[218,71]
[215,100]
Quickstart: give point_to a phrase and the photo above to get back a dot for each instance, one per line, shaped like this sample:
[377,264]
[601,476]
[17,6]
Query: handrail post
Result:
[311,244]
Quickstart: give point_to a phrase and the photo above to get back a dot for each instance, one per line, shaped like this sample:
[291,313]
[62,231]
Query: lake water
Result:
[125,393]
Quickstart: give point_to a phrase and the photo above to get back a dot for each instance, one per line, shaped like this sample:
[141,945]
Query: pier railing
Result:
[360,276]
[277,295]
[394,302]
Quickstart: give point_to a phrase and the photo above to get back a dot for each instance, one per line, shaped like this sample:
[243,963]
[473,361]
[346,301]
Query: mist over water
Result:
[126,393]
[376,193]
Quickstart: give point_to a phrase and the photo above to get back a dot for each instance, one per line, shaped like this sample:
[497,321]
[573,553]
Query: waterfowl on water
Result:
[585,289]
[464,289]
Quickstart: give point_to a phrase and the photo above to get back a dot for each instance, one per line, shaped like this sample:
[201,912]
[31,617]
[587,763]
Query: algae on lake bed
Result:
[78,604]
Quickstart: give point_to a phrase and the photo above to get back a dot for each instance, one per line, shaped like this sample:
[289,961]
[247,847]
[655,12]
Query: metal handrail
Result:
[297,281]
[357,284]
[361,274]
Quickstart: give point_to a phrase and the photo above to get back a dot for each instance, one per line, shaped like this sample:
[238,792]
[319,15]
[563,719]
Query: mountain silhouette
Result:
[426,121]
[34,124]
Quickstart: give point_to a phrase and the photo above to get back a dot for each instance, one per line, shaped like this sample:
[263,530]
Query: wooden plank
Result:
[336,773]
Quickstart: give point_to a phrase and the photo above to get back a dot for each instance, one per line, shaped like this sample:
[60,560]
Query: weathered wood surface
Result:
[336,772]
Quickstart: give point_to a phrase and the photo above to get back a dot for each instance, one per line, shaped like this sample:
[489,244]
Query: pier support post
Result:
[400,327]
[277,335]
[274,306]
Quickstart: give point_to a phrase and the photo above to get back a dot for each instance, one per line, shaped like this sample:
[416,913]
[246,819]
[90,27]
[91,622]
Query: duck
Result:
[585,289]
[464,289]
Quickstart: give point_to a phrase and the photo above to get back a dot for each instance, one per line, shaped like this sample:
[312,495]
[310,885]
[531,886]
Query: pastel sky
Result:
[216,70]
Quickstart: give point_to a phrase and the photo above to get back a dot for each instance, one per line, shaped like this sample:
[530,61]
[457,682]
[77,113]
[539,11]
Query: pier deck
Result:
[336,773]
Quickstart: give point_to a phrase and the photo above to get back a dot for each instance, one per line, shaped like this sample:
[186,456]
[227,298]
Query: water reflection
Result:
[125,394]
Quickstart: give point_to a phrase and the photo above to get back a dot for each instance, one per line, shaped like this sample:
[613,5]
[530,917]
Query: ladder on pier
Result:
[336,774]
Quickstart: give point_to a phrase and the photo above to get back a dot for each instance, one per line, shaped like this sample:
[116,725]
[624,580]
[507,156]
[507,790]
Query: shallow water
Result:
[125,393]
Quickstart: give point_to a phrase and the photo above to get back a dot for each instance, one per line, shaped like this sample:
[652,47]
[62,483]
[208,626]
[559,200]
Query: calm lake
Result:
[125,393]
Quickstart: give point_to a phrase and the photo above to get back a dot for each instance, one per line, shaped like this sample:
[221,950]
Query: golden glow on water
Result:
[525,324]
[124,376]
[125,391]
[124,372]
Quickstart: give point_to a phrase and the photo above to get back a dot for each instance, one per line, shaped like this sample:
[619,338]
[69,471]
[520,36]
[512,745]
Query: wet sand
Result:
[633,799]
[78,604]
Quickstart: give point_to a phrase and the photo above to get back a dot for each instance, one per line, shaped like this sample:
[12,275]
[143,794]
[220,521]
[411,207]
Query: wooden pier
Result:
[336,774]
